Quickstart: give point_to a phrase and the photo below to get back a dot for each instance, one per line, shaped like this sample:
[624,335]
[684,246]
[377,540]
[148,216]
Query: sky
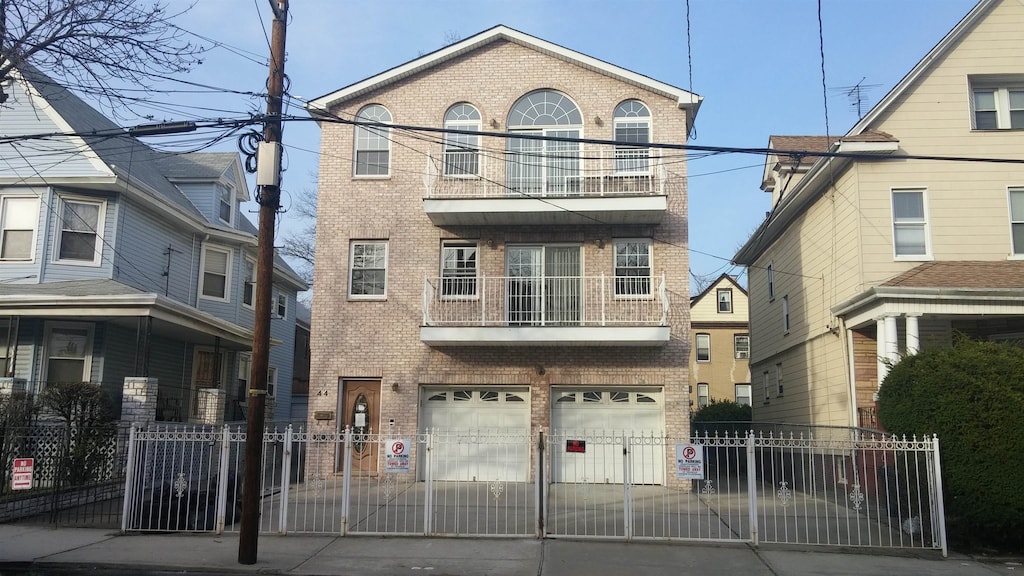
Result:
[756,63]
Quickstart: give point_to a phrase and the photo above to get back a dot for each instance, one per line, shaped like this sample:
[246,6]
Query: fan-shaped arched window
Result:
[633,125]
[462,151]
[373,143]
[544,167]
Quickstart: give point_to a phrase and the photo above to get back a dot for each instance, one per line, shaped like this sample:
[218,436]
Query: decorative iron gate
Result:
[858,491]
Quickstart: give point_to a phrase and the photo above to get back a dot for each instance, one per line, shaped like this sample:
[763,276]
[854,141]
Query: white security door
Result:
[600,418]
[475,431]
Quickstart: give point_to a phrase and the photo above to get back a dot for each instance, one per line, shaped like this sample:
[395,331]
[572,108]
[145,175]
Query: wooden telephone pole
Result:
[268,178]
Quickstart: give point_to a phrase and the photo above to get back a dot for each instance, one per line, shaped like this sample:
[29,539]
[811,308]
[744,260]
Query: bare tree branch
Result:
[301,245]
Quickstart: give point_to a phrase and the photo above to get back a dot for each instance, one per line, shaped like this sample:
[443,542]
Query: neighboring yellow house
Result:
[880,252]
[719,366]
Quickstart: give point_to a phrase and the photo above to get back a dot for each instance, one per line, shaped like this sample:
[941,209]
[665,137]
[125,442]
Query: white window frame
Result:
[271,381]
[620,242]
[749,395]
[696,346]
[921,223]
[778,379]
[461,282]
[737,354]
[281,305]
[5,226]
[48,330]
[1001,89]
[703,391]
[461,120]
[352,269]
[727,292]
[97,233]
[1016,222]
[771,281]
[785,314]
[369,134]
[222,192]
[249,281]
[227,275]
[766,379]
[631,159]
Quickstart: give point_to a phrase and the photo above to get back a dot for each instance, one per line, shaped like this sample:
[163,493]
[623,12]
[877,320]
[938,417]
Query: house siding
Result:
[142,255]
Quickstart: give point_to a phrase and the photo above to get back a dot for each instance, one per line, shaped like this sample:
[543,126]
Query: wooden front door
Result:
[360,410]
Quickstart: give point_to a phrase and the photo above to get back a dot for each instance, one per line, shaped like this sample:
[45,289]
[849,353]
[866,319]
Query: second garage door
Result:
[600,418]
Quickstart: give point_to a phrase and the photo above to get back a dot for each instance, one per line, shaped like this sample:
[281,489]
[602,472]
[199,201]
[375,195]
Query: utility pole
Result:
[268,178]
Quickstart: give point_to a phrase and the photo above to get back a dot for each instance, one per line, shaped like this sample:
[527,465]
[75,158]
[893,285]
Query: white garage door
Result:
[480,434]
[600,418]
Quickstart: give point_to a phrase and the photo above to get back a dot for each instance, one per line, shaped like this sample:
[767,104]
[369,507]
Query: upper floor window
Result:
[225,204]
[271,381]
[703,347]
[373,143]
[785,314]
[79,239]
[632,268]
[249,283]
[536,167]
[1017,220]
[743,394]
[725,300]
[19,216]
[461,151]
[741,345]
[216,265]
[778,379]
[458,269]
[997,104]
[281,305]
[632,125]
[910,224]
[369,267]
[771,282]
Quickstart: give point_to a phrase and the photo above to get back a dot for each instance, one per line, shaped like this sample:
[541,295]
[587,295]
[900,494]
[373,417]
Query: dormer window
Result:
[225,204]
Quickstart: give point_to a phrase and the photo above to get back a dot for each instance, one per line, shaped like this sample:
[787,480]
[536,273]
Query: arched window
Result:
[373,144]
[462,151]
[544,167]
[633,125]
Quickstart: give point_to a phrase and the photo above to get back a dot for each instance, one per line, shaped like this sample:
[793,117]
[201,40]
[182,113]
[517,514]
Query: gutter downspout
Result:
[851,373]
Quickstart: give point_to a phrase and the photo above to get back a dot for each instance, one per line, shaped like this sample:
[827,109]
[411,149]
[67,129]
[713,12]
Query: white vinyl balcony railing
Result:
[584,173]
[545,301]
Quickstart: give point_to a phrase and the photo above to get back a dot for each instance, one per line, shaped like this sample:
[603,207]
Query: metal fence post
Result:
[627,489]
[428,481]
[223,479]
[939,505]
[346,480]
[129,481]
[538,505]
[752,486]
[286,472]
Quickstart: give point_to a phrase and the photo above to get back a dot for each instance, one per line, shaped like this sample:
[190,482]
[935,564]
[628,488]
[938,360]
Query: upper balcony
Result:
[591,186]
[545,311]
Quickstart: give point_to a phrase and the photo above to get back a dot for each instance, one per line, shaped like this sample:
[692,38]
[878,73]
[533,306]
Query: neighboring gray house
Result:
[119,261]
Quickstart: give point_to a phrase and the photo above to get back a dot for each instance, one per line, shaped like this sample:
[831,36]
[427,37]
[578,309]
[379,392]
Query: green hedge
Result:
[972,397]
[723,416]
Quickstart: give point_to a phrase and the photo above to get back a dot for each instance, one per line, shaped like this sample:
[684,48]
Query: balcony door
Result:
[544,286]
[537,167]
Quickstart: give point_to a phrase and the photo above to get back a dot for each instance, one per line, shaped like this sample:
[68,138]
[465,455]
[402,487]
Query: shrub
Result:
[90,429]
[972,397]
[723,417]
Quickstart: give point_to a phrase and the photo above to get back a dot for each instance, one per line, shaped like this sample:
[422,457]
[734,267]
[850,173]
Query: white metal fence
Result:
[855,491]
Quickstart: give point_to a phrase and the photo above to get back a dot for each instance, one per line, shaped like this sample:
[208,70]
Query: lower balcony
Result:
[545,311]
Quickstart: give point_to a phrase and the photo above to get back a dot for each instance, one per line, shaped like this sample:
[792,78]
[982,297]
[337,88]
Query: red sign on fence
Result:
[21,476]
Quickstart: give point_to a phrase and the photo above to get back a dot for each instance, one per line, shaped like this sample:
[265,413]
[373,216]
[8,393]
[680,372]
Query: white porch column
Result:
[892,341]
[880,349]
[913,336]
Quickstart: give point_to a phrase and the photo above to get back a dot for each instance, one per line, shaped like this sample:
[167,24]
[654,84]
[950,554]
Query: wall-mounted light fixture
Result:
[394,386]
[599,242]
[494,123]
[490,242]
[598,121]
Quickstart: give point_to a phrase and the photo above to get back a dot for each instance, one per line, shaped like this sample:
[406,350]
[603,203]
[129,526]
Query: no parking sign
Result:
[690,461]
[397,457]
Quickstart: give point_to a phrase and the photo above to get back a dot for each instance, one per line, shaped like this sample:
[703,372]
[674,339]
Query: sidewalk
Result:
[40,547]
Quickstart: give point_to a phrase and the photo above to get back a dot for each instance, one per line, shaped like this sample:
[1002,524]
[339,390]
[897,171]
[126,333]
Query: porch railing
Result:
[545,301]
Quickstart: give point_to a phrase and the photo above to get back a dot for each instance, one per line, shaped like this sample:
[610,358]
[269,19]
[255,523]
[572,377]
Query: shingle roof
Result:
[205,165]
[963,274]
[70,288]
[871,136]
[801,143]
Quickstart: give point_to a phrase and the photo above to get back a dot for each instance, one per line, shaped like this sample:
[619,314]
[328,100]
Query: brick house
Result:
[503,276]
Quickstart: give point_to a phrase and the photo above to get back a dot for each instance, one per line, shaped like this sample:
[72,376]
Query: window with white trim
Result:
[5,352]
[632,124]
[703,347]
[79,240]
[1017,220]
[724,300]
[216,266]
[703,395]
[271,381]
[785,314]
[249,283]
[997,104]
[909,224]
[19,216]
[458,269]
[68,352]
[632,268]
[368,267]
[281,305]
[741,346]
[743,394]
[461,151]
[766,381]
[373,143]
[225,204]
[771,282]
[778,379]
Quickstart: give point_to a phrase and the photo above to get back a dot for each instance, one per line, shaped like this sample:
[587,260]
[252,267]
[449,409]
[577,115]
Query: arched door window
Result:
[633,125]
[462,151]
[544,167]
[373,143]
